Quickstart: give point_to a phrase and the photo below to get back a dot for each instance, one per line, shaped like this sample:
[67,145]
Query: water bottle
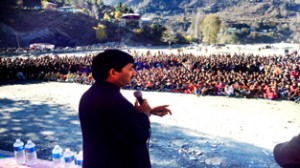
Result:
[19,151]
[79,159]
[57,155]
[68,158]
[30,153]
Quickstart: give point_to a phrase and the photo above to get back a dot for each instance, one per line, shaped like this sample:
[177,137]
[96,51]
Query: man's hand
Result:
[144,107]
[161,110]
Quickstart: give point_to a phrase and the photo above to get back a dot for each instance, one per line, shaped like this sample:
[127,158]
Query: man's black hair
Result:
[109,59]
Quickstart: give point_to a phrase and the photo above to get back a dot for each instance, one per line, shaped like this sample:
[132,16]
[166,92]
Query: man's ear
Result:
[112,75]
[112,72]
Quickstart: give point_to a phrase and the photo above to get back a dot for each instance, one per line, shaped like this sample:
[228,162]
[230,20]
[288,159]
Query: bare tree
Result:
[169,35]
[195,28]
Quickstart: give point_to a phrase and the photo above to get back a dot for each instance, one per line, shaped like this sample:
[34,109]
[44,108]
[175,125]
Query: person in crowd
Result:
[270,93]
[295,73]
[287,154]
[115,132]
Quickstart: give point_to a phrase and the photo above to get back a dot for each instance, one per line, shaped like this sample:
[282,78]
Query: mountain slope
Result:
[46,26]
[246,8]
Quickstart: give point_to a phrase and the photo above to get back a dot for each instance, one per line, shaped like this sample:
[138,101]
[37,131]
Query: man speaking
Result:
[114,131]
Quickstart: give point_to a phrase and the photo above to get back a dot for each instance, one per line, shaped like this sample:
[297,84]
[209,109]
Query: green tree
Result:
[210,27]
[100,32]
[119,7]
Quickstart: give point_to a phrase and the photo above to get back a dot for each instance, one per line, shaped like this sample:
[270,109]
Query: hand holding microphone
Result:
[144,106]
[141,104]
[138,94]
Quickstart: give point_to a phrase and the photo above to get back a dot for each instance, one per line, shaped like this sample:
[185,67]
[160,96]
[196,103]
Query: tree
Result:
[44,4]
[119,7]
[95,10]
[188,38]
[67,2]
[118,15]
[124,8]
[99,2]
[106,17]
[169,36]
[100,32]
[138,31]
[130,10]
[210,27]
[93,2]
[228,39]
[253,35]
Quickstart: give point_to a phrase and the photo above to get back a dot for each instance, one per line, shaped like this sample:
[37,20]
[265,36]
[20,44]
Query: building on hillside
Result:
[132,19]
[70,9]
[51,6]
[145,21]
[41,46]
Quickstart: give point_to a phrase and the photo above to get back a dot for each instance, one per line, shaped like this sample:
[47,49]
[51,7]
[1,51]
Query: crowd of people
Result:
[274,77]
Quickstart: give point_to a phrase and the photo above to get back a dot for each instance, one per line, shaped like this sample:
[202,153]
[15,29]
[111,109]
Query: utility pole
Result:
[298,22]
[184,17]
[119,33]
[17,40]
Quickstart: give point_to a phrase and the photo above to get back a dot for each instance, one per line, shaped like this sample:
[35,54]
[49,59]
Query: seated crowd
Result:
[234,75]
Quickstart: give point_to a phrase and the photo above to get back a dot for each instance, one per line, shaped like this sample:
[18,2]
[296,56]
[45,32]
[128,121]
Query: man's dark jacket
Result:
[287,154]
[114,134]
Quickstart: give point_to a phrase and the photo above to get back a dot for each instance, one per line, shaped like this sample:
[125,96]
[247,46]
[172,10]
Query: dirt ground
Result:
[203,131]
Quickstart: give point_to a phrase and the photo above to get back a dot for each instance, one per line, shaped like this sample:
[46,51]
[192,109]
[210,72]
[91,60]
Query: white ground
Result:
[256,49]
[262,123]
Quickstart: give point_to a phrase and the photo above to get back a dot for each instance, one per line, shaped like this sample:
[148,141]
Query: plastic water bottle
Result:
[19,151]
[79,159]
[68,158]
[57,156]
[30,153]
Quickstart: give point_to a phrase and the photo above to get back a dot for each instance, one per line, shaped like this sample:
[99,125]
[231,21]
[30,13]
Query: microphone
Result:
[138,94]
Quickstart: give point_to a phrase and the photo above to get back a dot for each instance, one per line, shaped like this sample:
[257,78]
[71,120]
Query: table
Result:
[10,162]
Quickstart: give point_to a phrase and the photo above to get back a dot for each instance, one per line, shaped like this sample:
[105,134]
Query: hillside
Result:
[62,29]
[48,27]
[69,29]
[273,8]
